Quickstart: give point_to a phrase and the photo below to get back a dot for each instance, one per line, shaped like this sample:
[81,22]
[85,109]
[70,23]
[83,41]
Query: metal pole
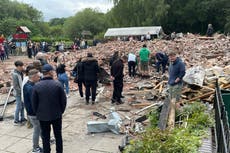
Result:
[6,102]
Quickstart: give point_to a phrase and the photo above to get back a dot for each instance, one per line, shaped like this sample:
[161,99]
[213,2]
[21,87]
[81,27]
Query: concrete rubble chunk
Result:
[195,76]
[97,126]
[114,124]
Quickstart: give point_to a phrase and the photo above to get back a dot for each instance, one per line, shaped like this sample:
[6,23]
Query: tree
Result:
[173,15]
[15,14]
[57,21]
[88,19]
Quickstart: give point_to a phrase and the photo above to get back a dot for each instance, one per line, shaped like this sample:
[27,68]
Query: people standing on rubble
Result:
[90,70]
[210,30]
[132,62]
[80,76]
[144,59]
[173,35]
[82,44]
[63,77]
[41,57]
[148,36]
[2,52]
[6,49]
[37,65]
[161,60]
[142,38]
[34,77]
[17,76]
[112,59]
[29,49]
[49,103]
[176,74]
[117,77]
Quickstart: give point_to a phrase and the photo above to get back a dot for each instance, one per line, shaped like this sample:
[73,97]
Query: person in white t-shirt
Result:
[132,64]
[148,36]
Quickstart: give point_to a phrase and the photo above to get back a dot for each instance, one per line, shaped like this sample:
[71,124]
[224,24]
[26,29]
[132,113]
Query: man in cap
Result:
[49,103]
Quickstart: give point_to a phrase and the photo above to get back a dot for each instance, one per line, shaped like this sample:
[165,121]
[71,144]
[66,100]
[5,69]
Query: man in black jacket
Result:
[49,103]
[161,59]
[90,70]
[117,77]
[80,76]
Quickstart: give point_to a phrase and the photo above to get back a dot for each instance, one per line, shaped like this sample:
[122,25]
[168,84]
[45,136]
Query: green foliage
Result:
[178,140]
[99,36]
[18,10]
[88,19]
[50,40]
[172,15]
[57,21]
[15,14]
[154,117]
[56,31]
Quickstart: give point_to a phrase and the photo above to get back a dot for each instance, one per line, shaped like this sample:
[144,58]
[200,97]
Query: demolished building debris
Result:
[205,59]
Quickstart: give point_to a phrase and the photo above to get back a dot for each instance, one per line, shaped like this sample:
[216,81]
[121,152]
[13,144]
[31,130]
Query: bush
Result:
[48,39]
[178,140]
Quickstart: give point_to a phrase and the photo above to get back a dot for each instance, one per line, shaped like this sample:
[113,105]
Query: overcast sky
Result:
[65,8]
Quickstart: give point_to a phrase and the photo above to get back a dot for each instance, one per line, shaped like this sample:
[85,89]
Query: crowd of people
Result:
[44,100]
[44,97]
[6,49]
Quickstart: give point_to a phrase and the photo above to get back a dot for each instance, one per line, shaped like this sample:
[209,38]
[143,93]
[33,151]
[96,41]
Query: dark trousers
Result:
[132,66]
[117,90]
[80,83]
[90,85]
[2,57]
[158,65]
[45,128]
[29,52]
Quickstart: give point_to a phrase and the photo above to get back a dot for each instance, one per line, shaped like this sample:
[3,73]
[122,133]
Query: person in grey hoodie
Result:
[17,76]
[176,74]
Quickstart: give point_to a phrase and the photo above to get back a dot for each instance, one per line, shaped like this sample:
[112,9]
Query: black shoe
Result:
[122,96]
[93,102]
[87,102]
[23,120]
[120,102]
[117,103]
[17,123]
[113,101]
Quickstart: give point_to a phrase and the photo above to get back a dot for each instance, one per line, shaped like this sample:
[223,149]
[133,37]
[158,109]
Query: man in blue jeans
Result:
[27,93]
[49,103]
[17,76]
[63,77]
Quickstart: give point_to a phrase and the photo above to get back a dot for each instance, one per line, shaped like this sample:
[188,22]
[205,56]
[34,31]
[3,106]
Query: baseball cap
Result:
[47,68]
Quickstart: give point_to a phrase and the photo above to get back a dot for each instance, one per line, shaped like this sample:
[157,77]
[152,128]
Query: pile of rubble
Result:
[210,54]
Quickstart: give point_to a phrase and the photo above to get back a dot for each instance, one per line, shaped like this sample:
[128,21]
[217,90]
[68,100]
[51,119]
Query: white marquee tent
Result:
[134,31]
